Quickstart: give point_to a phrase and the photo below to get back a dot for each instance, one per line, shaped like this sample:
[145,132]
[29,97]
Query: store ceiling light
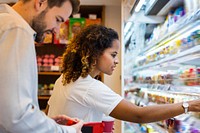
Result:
[139,5]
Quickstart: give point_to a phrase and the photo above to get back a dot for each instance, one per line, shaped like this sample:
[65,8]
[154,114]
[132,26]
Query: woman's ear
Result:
[95,62]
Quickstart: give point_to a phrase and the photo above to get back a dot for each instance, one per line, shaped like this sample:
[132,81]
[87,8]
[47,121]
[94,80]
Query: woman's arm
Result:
[128,111]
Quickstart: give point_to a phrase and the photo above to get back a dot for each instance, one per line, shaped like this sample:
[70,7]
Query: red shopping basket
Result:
[93,127]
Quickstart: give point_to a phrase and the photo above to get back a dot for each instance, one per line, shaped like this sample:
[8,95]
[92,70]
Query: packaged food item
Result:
[75,26]
[64,32]
[195,37]
[93,21]
[48,38]
[61,37]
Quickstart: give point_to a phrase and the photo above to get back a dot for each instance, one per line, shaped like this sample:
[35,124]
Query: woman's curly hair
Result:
[85,48]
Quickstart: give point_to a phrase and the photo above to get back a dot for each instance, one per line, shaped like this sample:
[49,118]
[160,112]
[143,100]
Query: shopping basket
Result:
[93,127]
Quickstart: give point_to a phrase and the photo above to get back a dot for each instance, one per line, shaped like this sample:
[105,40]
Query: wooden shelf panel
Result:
[43,97]
[49,73]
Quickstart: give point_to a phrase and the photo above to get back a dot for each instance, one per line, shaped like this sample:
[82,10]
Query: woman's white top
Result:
[86,98]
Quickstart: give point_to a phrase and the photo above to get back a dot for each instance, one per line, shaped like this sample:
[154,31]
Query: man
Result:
[19,26]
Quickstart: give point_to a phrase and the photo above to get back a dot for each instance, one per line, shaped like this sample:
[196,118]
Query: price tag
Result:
[55,68]
[92,16]
[78,15]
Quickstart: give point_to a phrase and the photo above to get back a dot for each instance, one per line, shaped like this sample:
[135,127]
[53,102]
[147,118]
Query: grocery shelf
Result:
[136,128]
[191,91]
[43,97]
[170,58]
[166,69]
[180,92]
[49,73]
[182,25]
[158,128]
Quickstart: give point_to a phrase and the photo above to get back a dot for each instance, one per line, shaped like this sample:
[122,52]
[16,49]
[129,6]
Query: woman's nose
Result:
[116,60]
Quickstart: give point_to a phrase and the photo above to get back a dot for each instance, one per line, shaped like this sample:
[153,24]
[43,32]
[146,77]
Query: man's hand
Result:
[61,119]
[65,120]
[78,126]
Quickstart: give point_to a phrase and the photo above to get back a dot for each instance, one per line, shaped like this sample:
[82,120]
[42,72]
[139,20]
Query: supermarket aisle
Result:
[161,60]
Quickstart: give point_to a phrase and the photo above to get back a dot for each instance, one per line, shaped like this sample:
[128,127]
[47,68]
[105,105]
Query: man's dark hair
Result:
[59,3]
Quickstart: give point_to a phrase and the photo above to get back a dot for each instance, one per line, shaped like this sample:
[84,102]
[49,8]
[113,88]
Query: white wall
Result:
[113,20]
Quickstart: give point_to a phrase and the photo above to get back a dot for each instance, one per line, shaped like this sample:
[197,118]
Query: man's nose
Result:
[56,30]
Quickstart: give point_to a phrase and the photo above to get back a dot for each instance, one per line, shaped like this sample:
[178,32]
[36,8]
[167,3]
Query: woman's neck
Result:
[93,74]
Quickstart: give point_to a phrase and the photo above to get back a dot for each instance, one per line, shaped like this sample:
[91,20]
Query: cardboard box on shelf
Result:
[75,26]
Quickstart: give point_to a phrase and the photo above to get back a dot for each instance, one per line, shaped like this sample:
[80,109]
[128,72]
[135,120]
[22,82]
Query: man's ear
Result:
[40,4]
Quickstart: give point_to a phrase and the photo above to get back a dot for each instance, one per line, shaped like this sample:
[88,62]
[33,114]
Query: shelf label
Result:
[55,68]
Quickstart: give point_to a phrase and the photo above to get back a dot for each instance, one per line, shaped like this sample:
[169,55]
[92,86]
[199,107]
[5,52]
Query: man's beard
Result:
[38,24]
[39,38]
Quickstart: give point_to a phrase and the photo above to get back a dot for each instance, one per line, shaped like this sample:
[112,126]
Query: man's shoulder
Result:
[10,19]
[7,17]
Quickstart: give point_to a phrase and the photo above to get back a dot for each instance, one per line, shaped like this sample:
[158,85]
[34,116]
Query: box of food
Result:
[75,26]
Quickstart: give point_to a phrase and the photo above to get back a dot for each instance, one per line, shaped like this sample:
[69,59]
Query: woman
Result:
[78,94]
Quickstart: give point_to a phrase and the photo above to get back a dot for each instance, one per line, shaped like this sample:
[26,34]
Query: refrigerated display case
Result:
[165,68]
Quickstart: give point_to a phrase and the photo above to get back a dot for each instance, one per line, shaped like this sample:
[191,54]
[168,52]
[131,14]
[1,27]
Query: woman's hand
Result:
[194,105]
